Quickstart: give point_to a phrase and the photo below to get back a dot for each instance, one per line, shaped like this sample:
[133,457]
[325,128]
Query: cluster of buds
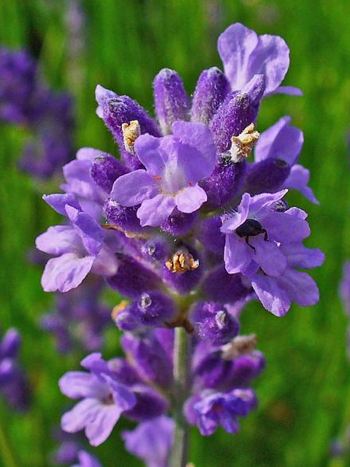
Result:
[189,225]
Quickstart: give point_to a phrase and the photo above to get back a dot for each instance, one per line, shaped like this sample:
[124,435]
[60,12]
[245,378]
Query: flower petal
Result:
[58,240]
[197,135]
[59,201]
[270,258]
[133,188]
[245,54]
[100,427]
[286,227]
[155,211]
[273,297]
[78,384]
[298,180]
[302,257]
[80,415]
[236,218]
[281,141]
[190,199]
[88,229]
[237,254]
[301,287]
[149,153]
[65,272]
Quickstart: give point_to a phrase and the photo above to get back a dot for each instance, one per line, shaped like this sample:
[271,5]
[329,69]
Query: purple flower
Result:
[104,399]
[254,233]
[78,249]
[210,410]
[283,142]
[245,54]
[174,166]
[151,441]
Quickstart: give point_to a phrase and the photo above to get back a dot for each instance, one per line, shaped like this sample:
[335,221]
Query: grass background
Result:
[305,391]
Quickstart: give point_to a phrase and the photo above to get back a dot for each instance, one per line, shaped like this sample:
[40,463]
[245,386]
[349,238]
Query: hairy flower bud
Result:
[105,170]
[211,89]
[266,176]
[170,98]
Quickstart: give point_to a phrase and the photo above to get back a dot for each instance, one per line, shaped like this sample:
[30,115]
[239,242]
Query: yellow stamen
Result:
[131,131]
[242,145]
[182,261]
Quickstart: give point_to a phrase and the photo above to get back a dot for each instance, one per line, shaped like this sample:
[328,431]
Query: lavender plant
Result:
[27,102]
[14,386]
[188,230]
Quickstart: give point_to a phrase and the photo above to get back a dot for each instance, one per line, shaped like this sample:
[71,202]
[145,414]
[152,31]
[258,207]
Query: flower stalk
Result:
[179,452]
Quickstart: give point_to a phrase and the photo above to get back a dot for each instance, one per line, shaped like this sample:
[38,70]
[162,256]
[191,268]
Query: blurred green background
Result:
[305,391]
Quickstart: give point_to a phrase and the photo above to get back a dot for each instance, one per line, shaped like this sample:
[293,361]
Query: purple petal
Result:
[87,460]
[151,441]
[245,54]
[259,202]
[80,384]
[281,141]
[101,425]
[106,263]
[237,254]
[190,199]
[199,137]
[302,257]
[58,240]
[289,90]
[235,46]
[286,227]
[133,188]
[298,180]
[149,153]
[301,287]
[58,202]
[272,296]
[65,272]
[80,415]
[89,230]
[269,256]
[155,211]
[236,218]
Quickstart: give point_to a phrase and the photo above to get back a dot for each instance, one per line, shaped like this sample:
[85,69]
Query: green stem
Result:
[179,452]
[6,453]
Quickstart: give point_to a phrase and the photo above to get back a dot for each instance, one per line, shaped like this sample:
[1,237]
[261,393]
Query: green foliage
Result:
[305,392]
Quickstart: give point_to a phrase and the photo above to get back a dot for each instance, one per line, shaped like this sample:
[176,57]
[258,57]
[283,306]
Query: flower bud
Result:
[223,287]
[223,184]
[170,98]
[211,89]
[105,170]
[132,277]
[237,112]
[213,323]
[266,176]
[121,216]
[179,223]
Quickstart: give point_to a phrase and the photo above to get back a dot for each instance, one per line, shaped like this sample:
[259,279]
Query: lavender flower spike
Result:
[245,54]
[174,164]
